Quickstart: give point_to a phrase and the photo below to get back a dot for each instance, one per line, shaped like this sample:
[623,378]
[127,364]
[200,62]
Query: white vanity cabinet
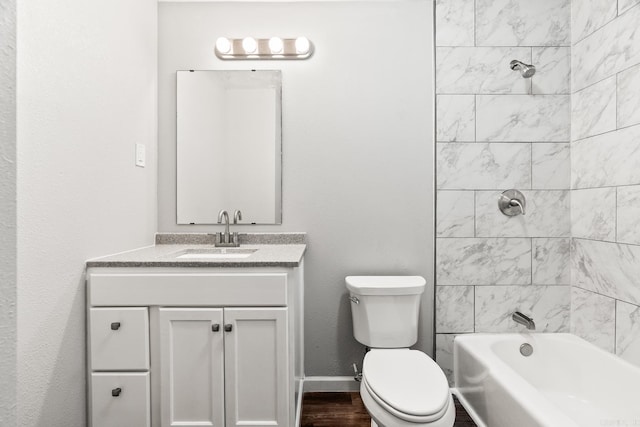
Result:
[224,367]
[185,347]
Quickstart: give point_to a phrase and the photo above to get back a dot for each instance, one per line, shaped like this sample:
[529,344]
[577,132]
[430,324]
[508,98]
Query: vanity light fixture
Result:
[271,48]
[223,45]
[302,45]
[276,45]
[249,45]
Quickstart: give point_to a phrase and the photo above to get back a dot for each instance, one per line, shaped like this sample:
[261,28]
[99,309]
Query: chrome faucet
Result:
[226,238]
[523,319]
[223,238]
[237,216]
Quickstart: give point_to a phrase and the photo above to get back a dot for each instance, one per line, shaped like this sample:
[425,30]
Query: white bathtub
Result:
[566,382]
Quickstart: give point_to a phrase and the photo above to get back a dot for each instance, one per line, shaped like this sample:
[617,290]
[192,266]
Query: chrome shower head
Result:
[526,70]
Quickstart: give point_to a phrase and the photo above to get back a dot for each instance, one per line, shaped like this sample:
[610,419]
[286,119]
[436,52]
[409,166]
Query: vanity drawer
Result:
[189,289]
[120,399]
[119,338]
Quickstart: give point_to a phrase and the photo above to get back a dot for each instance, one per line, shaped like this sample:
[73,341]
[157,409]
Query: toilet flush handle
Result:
[354,299]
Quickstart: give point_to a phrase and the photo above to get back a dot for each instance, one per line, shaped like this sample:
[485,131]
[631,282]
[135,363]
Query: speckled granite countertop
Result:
[286,251]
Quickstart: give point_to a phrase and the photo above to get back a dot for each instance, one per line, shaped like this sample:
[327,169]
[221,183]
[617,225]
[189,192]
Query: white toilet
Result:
[400,387]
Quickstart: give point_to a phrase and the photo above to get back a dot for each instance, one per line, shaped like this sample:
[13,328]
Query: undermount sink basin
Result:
[217,253]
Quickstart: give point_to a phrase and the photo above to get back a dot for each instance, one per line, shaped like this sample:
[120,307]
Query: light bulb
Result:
[275,45]
[302,45]
[249,44]
[223,45]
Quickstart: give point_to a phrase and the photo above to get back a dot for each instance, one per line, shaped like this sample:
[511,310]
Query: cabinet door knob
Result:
[215,327]
[115,326]
[228,327]
[116,392]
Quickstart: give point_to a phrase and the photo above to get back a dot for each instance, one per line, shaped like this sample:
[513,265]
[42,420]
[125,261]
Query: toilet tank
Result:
[385,309]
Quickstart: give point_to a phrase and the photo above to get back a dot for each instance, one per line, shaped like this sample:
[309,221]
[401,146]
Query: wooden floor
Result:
[347,410]
[334,410]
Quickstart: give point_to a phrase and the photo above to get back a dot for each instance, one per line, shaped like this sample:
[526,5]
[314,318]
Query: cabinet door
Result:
[120,399]
[256,367]
[192,367]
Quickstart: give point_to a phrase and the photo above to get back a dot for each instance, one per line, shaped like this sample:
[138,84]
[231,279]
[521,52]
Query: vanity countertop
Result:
[166,255]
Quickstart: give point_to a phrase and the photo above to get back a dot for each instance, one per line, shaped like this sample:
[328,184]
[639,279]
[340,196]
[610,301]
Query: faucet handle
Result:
[219,238]
[512,202]
[516,202]
[237,216]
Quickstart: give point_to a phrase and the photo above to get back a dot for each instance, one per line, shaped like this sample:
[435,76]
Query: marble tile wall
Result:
[496,131]
[605,175]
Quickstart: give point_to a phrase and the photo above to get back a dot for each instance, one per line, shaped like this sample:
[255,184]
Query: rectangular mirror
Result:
[229,146]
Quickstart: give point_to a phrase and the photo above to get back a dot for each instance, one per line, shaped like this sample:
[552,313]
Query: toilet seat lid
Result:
[408,381]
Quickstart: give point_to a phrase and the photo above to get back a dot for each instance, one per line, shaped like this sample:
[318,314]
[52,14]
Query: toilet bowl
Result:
[405,388]
[400,387]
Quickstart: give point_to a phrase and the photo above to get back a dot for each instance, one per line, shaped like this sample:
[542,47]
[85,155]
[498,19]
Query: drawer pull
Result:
[228,327]
[115,326]
[116,392]
[215,327]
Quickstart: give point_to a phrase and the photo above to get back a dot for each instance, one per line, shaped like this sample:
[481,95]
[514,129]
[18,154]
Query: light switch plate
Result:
[141,155]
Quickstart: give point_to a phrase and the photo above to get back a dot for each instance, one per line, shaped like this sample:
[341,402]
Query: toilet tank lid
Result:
[385,285]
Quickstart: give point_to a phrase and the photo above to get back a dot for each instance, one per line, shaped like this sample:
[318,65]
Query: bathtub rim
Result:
[541,409]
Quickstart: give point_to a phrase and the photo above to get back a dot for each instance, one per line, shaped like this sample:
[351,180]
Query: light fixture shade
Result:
[276,45]
[302,45]
[223,45]
[249,44]
[268,48]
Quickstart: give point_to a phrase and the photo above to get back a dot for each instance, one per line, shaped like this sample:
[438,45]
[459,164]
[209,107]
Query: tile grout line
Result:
[475,118]
[531,166]
[602,295]
[539,95]
[531,270]
[475,213]
[615,97]
[475,27]
[616,217]
[474,309]
[615,327]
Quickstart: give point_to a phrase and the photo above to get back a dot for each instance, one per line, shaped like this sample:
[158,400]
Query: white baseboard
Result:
[328,384]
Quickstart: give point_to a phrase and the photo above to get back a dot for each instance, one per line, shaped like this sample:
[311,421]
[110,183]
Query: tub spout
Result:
[523,319]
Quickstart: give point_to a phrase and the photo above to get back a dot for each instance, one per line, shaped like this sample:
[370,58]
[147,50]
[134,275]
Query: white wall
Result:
[8,212]
[357,144]
[87,92]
